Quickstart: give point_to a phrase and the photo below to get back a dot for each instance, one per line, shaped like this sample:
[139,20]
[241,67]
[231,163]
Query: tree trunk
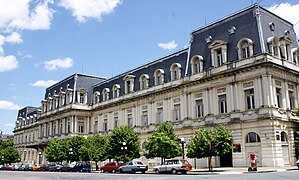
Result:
[210,163]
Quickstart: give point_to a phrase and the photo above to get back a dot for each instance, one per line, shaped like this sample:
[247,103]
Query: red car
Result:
[111,167]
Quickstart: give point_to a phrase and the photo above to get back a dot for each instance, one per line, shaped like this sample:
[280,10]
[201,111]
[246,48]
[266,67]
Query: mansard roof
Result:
[163,63]
[27,111]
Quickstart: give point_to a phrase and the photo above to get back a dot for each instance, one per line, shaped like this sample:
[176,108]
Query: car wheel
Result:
[173,171]
[157,171]
[113,171]
[184,172]
[121,170]
[133,171]
[143,172]
[102,171]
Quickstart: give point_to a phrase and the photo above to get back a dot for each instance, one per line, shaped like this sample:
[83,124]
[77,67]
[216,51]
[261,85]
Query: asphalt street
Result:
[16,175]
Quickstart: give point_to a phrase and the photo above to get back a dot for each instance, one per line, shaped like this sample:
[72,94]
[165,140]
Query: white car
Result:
[173,166]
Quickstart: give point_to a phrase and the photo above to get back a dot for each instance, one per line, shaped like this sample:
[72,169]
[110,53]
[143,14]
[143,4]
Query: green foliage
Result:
[163,143]
[8,152]
[75,143]
[57,150]
[208,143]
[94,148]
[115,141]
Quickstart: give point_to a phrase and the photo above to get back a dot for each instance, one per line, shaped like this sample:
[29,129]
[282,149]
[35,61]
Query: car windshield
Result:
[139,163]
[184,162]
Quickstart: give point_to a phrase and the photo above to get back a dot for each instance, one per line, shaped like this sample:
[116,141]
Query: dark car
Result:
[133,166]
[28,167]
[55,167]
[22,167]
[81,167]
[44,167]
[66,168]
[111,167]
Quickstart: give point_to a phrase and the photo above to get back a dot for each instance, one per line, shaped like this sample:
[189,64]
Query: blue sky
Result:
[45,41]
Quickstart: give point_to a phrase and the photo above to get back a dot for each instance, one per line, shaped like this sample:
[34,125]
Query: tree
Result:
[8,152]
[209,143]
[123,144]
[57,150]
[94,148]
[163,143]
[75,144]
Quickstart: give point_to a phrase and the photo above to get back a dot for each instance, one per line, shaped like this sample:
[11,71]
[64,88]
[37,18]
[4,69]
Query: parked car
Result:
[44,167]
[81,167]
[133,166]
[28,167]
[36,167]
[67,167]
[22,167]
[55,167]
[297,163]
[173,166]
[1,167]
[8,167]
[16,166]
[111,167]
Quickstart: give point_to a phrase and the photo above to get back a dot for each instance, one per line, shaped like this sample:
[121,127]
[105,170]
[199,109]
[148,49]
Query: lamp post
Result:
[70,154]
[39,157]
[124,147]
[25,155]
[183,142]
[2,159]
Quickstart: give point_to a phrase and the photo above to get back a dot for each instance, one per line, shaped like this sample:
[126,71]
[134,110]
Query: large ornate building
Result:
[241,71]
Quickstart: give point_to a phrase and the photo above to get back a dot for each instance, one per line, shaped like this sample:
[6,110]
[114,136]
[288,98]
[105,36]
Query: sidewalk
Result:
[241,170]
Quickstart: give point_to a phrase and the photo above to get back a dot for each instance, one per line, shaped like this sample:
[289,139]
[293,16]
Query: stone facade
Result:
[240,71]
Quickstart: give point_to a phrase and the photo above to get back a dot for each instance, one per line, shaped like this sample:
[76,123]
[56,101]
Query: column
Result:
[271,87]
[206,102]
[72,124]
[237,104]
[265,86]
[51,129]
[232,97]
[260,92]
[45,129]
[63,126]
[40,131]
[286,92]
[76,125]
[183,99]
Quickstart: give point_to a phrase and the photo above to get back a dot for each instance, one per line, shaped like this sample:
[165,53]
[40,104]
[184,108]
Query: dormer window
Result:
[218,53]
[175,71]
[159,77]
[285,47]
[245,48]
[106,92]
[129,83]
[197,64]
[96,97]
[144,81]
[273,45]
[295,53]
[116,90]
[82,96]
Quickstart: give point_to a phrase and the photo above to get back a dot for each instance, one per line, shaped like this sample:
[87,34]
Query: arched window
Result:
[218,53]
[245,48]
[159,77]
[106,92]
[96,97]
[144,81]
[285,47]
[273,45]
[252,137]
[197,64]
[116,89]
[82,96]
[129,83]
[284,136]
[175,70]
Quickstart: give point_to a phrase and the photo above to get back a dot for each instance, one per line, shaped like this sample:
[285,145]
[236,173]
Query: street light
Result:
[124,147]
[71,154]
[183,142]
[2,159]
[25,155]
[39,157]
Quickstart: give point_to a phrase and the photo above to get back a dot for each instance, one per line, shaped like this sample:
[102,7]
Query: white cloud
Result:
[8,63]
[9,125]
[169,46]
[6,105]
[14,38]
[288,12]
[58,63]
[84,9]
[25,14]
[43,83]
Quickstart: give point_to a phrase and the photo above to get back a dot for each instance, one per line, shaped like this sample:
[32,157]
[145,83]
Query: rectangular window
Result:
[130,120]
[82,98]
[144,118]
[68,126]
[292,100]
[95,127]
[199,108]
[278,97]
[159,115]
[80,127]
[222,104]
[249,98]
[245,51]
[115,122]
[219,57]
[177,112]
[105,125]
